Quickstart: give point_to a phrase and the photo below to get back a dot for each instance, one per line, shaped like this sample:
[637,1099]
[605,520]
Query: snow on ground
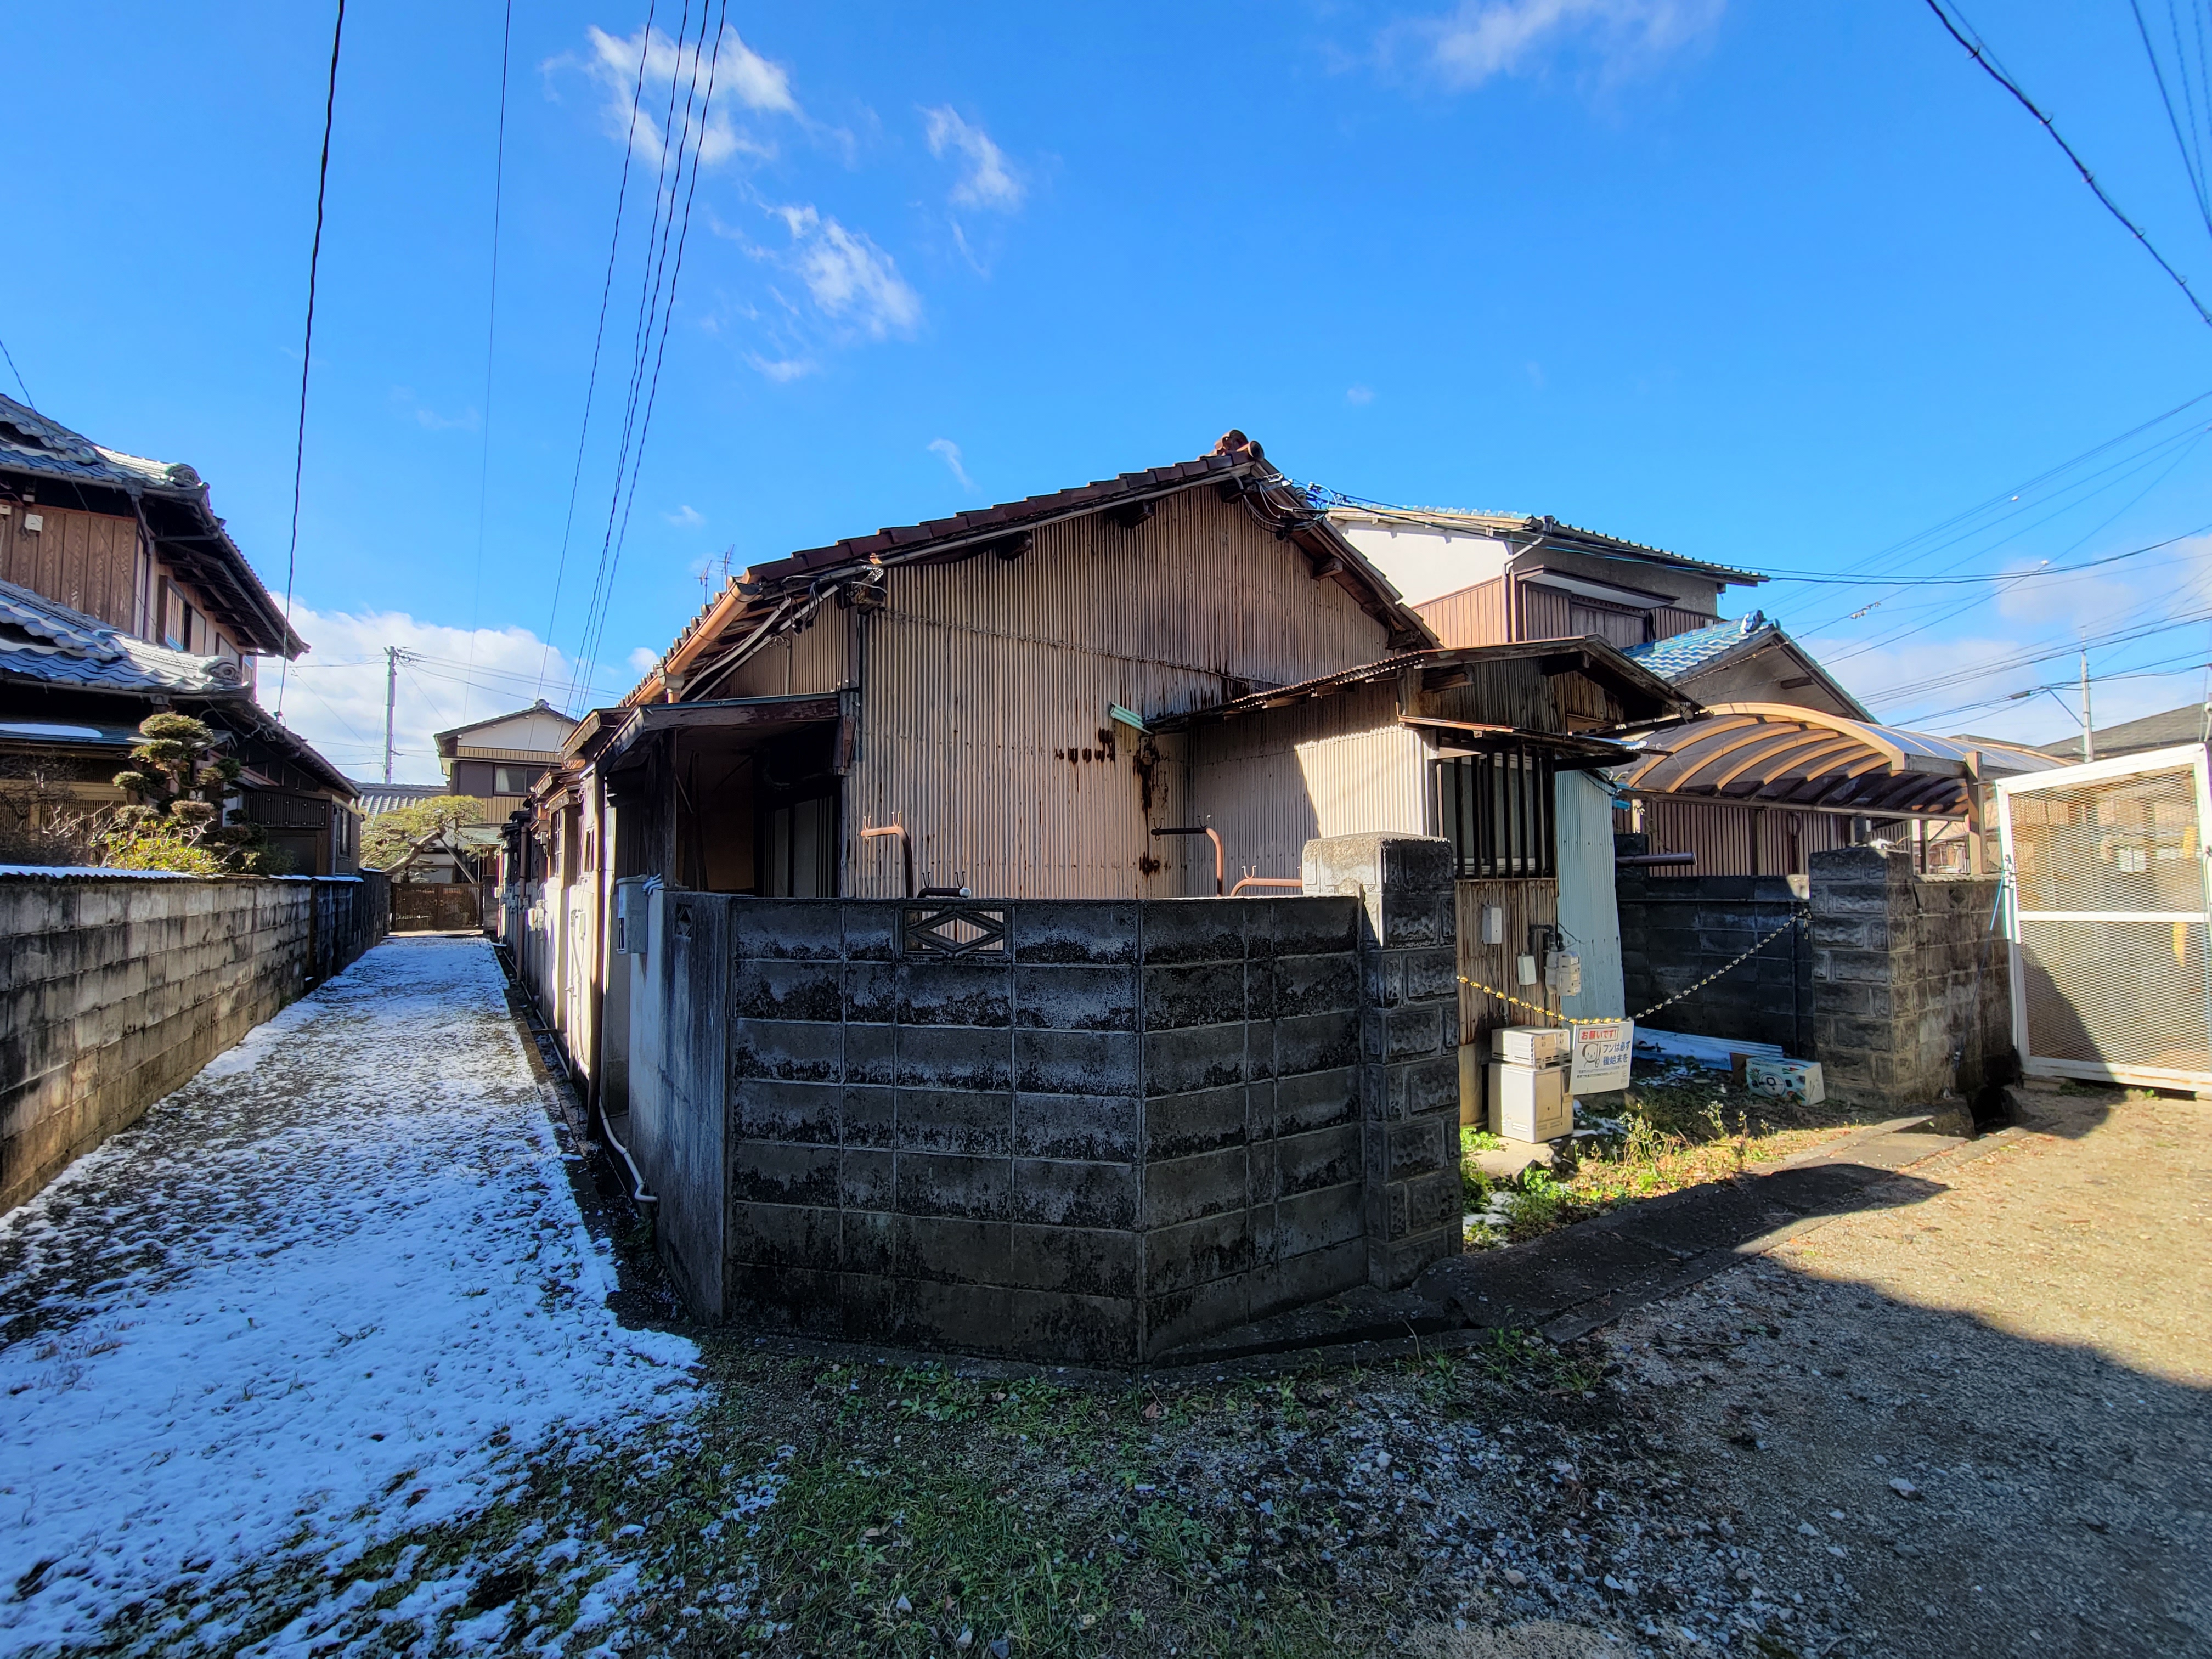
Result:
[292,1310]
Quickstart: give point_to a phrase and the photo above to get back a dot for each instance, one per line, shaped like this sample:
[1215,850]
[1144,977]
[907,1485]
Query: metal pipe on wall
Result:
[906,847]
[1220,859]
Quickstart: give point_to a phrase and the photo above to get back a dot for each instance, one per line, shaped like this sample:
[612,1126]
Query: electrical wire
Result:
[2190,163]
[1965,35]
[28,401]
[307,355]
[598,338]
[491,333]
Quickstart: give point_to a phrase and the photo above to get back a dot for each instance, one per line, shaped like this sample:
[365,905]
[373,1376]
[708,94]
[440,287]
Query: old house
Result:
[497,759]
[1063,731]
[122,594]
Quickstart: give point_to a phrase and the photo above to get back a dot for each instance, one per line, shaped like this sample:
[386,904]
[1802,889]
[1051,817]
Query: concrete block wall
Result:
[1675,930]
[1128,1127]
[1408,957]
[1912,990]
[116,989]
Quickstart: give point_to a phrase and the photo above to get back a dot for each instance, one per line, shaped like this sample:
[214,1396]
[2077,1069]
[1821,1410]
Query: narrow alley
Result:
[336,1281]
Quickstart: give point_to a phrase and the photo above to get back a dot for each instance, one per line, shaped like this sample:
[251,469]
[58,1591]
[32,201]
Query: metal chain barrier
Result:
[1797,919]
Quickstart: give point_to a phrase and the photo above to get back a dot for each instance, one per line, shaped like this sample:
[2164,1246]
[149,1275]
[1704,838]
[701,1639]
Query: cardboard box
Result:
[1529,1103]
[1530,1045]
[1797,1081]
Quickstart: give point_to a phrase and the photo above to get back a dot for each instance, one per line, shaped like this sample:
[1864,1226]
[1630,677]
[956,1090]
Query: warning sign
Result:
[1603,1051]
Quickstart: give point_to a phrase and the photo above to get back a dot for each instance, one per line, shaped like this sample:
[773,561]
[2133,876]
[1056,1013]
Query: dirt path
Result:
[1974,1425]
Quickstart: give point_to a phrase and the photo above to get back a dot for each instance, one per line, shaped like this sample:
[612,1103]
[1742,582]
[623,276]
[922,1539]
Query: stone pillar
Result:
[1409,1042]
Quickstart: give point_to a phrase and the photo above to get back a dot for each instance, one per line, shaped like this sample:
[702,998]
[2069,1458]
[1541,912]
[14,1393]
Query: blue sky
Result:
[1779,286]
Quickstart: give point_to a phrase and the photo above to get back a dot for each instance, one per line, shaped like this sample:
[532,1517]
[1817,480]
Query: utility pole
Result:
[391,696]
[2089,726]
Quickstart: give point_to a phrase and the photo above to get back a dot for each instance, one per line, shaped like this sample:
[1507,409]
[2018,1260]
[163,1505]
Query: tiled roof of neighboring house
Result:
[45,640]
[171,501]
[1237,466]
[375,800]
[2169,730]
[1547,529]
[1685,654]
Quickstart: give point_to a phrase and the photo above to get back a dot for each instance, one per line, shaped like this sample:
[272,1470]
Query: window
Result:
[508,781]
[1498,811]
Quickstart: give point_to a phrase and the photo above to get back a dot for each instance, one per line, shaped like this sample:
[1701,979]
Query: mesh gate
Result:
[2111,974]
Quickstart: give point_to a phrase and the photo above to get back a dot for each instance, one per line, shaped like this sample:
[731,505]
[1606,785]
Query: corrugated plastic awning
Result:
[1780,754]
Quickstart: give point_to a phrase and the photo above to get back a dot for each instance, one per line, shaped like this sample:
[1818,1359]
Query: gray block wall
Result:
[1913,997]
[1125,1127]
[116,989]
[1676,930]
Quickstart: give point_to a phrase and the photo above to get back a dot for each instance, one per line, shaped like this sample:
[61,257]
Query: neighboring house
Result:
[374,800]
[1055,698]
[1750,659]
[121,594]
[497,760]
[72,692]
[2191,723]
[1501,578]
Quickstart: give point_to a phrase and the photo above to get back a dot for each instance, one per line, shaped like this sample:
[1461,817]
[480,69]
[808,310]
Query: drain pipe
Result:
[640,1195]
[1220,865]
[1237,891]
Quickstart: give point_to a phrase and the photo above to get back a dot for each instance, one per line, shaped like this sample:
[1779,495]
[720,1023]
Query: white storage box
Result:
[1530,1045]
[1794,1080]
[1529,1103]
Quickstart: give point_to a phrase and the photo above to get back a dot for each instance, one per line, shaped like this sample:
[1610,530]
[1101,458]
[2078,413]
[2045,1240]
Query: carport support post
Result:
[1408,1072]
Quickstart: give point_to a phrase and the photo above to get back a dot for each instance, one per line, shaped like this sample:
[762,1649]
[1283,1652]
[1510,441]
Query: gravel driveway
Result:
[1973,1424]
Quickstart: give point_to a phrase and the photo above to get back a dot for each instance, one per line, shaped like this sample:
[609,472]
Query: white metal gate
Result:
[2111,977]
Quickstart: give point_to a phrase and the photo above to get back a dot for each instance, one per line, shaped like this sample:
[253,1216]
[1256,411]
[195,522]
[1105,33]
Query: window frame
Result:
[1499,810]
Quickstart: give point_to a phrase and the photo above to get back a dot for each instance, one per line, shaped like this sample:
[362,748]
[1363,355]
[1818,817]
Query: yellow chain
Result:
[1492,991]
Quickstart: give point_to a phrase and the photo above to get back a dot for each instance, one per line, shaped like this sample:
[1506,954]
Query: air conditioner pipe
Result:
[1237,891]
[1220,864]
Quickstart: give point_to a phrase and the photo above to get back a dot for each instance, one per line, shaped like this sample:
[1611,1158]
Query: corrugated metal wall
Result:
[1723,836]
[1547,613]
[1526,903]
[983,724]
[1474,616]
[1270,782]
[817,659]
[1589,909]
[1669,620]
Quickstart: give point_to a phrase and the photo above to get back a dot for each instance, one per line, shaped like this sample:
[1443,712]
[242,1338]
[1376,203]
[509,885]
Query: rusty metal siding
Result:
[818,659]
[1474,616]
[1271,781]
[985,685]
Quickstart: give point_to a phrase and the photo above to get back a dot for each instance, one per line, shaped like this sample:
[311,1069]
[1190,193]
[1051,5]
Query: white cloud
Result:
[335,697]
[405,400]
[988,182]
[640,113]
[851,280]
[1358,396]
[951,453]
[1482,38]
[782,370]
[686,517]
[643,660]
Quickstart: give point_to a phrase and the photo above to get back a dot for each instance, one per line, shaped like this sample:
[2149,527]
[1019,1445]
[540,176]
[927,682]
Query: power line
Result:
[1980,53]
[307,355]
[2189,160]
[29,400]
[491,333]
[598,338]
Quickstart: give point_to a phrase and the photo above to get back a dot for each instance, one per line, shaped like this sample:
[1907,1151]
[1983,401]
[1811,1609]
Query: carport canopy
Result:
[1782,755]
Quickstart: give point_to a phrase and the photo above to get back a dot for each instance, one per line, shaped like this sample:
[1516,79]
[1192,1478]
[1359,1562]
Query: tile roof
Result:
[44,640]
[1685,654]
[32,442]
[374,800]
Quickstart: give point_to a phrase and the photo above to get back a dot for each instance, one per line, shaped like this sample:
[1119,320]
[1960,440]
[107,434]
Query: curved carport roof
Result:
[1782,755]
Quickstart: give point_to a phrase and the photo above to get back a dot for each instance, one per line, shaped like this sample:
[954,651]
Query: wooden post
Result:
[1977,864]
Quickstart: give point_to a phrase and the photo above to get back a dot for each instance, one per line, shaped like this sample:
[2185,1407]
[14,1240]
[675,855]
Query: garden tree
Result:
[391,835]
[176,822]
